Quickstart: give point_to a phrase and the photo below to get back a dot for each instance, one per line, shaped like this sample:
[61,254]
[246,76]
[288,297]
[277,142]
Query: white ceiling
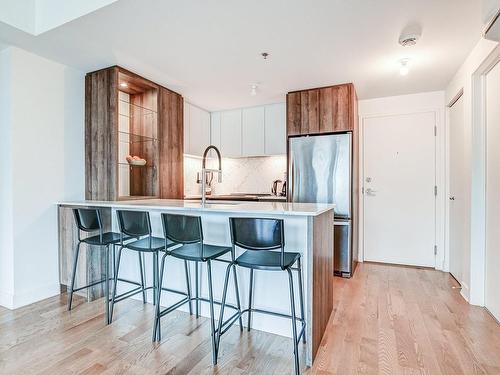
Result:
[209,50]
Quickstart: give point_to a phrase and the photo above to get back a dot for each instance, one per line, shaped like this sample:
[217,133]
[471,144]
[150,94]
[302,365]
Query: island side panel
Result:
[322,276]
[90,262]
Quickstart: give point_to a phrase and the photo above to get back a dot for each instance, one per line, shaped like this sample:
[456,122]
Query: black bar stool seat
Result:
[108,238]
[144,244]
[192,252]
[266,260]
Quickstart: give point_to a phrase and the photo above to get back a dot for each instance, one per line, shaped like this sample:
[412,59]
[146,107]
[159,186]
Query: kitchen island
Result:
[308,230]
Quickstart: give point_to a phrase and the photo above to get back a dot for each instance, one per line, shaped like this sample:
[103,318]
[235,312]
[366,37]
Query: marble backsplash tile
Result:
[239,175]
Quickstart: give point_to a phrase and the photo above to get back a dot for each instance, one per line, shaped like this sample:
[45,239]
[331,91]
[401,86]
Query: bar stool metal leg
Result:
[212,320]
[301,297]
[106,284]
[237,293]
[157,323]
[188,286]
[73,276]
[250,301]
[223,305]
[141,267]
[115,284]
[196,287]
[294,323]
[155,278]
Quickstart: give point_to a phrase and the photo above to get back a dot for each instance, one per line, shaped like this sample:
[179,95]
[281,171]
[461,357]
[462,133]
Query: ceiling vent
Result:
[492,30]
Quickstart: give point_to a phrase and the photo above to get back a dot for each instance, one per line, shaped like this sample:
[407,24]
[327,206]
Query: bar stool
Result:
[187,231]
[259,237]
[89,220]
[136,224]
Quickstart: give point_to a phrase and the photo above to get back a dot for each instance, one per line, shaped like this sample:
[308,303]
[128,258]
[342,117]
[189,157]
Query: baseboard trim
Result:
[464,292]
[17,300]
[6,300]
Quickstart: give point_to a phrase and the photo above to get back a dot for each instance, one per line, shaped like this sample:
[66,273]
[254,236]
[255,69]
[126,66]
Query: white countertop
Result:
[274,208]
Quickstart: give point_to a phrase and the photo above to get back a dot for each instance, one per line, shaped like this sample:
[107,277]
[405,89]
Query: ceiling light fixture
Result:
[123,84]
[253,91]
[404,67]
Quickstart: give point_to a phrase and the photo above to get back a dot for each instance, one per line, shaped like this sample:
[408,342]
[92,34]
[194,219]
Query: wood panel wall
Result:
[101,135]
[322,277]
[166,180]
[171,138]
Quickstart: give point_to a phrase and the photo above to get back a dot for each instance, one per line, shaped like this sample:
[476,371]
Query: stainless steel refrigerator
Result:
[320,171]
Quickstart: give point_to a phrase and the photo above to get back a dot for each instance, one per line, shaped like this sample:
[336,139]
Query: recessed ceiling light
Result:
[404,67]
[123,84]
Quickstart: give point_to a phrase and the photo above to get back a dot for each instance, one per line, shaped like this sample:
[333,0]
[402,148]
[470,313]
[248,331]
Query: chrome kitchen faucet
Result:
[204,171]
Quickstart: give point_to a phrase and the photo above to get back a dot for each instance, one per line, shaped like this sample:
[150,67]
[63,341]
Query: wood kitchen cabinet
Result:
[321,110]
[126,114]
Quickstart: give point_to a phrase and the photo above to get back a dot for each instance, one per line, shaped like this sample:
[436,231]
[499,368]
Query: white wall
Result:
[6,254]
[473,285]
[408,104]
[44,115]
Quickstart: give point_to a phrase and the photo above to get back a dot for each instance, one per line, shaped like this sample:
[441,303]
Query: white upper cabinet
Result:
[215,129]
[275,129]
[230,133]
[196,129]
[255,131]
[252,136]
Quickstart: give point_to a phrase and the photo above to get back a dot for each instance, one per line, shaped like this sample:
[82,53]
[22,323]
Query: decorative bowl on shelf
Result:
[136,161]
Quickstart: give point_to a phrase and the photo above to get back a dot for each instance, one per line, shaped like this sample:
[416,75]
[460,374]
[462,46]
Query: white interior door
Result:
[457,207]
[492,282]
[399,179]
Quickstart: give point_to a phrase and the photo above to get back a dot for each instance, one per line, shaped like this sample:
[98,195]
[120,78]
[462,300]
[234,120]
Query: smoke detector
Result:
[408,40]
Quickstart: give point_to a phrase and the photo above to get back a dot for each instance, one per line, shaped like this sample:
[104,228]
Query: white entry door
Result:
[492,284]
[399,179]
[458,197]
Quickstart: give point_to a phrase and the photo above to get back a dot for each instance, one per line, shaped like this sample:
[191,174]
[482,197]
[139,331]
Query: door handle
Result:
[370,191]
[452,198]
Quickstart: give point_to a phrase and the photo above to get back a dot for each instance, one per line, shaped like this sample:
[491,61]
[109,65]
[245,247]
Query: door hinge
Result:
[435,131]
[435,190]
[435,249]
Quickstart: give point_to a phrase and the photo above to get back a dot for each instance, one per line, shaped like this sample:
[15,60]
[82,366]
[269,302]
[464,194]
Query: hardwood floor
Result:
[44,338]
[386,320]
[402,320]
